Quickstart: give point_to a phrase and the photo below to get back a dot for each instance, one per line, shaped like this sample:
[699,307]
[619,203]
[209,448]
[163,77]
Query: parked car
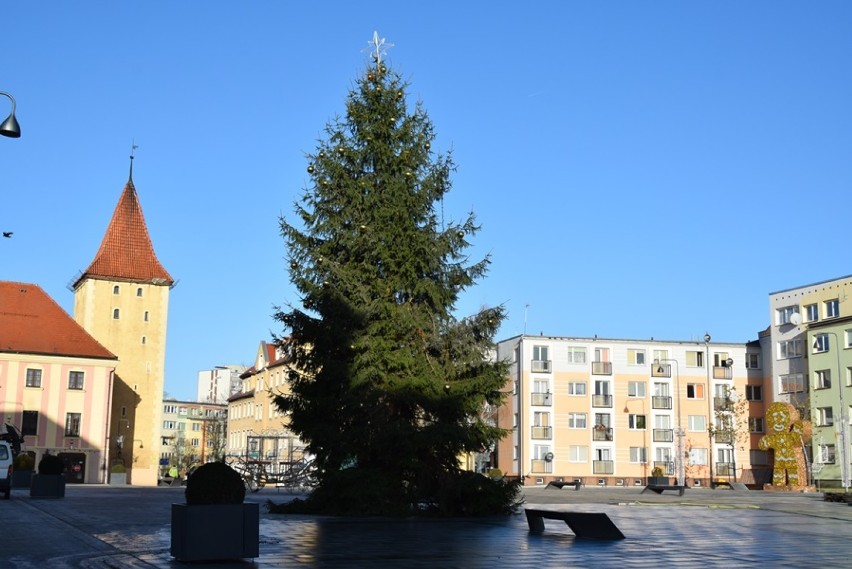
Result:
[6,461]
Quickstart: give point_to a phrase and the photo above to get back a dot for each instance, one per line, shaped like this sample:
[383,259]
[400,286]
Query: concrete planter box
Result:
[117,478]
[47,486]
[658,480]
[215,532]
[22,478]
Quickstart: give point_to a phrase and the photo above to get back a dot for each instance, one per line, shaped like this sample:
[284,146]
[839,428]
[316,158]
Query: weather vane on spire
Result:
[378,47]
[133,148]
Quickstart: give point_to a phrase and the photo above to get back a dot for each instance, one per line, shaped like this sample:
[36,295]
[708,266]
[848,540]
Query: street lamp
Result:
[10,126]
[681,474]
[709,404]
[841,433]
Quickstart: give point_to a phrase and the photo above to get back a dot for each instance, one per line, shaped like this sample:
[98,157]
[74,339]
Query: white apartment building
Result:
[218,384]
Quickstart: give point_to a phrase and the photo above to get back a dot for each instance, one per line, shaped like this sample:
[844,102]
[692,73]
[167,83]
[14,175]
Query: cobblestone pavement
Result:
[96,527]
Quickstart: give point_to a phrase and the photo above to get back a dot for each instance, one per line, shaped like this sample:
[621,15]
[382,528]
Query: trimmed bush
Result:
[51,464]
[24,461]
[118,468]
[215,483]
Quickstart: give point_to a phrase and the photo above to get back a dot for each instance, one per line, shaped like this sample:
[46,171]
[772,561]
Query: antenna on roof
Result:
[133,148]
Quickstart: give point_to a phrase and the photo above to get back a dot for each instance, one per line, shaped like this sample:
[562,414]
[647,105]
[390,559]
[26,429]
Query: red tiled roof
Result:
[32,323]
[126,252]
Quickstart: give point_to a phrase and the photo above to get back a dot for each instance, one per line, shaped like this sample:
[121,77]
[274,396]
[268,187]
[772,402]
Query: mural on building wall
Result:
[787,435]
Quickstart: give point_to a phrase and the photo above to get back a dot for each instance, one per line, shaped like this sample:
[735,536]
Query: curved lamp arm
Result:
[10,126]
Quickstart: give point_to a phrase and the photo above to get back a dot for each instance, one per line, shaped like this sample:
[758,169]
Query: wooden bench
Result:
[660,488]
[560,484]
[583,524]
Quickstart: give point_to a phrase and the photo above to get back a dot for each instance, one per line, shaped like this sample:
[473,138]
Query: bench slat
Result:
[584,524]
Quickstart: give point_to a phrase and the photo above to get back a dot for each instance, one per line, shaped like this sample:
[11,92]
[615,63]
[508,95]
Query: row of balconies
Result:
[600,433]
[605,368]
[657,401]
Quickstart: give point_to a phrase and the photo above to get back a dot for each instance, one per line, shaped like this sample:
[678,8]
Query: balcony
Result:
[663,435]
[725,468]
[723,437]
[603,466]
[722,372]
[661,370]
[542,432]
[541,465]
[601,433]
[666,466]
[661,402]
[601,400]
[601,368]
[542,399]
[540,366]
[721,403]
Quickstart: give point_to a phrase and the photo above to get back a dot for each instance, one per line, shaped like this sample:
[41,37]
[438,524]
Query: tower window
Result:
[144,340]
[146,316]
[115,289]
[116,314]
[139,291]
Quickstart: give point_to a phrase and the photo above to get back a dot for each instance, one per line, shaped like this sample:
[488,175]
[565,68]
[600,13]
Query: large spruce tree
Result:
[387,387]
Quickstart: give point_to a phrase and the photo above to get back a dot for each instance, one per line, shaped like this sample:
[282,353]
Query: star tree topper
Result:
[378,47]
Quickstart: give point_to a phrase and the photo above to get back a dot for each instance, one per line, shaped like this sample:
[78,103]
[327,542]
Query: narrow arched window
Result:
[139,291]
[115,289]
[115,314]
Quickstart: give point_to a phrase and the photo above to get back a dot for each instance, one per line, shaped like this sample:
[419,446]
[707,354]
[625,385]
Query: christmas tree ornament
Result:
[370,77]
[310,169]
[428,146]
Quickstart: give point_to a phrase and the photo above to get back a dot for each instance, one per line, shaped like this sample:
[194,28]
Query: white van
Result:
[6,460]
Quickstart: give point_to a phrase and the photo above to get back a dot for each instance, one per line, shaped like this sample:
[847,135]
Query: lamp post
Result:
[709,404]
[10,126]
[681,475]
[841,432]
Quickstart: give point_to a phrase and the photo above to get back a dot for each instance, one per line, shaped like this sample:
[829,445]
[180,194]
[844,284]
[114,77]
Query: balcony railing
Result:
[666,466]
[542,399]
[541,465]
[540,366]
[663,435]
[661,370]
[601,400]
[603,466]
[661,402]
[601,368]
[600,433]
[725,468]
[721,403]
[542,432]
[724,437]
[722,372]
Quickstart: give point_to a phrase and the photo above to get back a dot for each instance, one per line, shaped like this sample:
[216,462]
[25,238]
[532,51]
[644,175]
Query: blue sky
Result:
[640,169]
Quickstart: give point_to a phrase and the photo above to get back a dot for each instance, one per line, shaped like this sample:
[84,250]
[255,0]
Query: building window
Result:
[849,338]
[698,456]
[639,455]
[72,424]
[116,313]
[694,359]
[822,379]
[832,308]
[170,409]
[577,420]
[115,289]
[636,388]
[33,377]
[784,315]
[792,383]
[755,424]
[139,291]
[636,357]
[695,391]
[576,355]
[144,340]
[577,388]
[811,313]
[821,343]
[194,442]
[824,416]
[636,421]
[169,425]
[75,380]
[29,423]
[752,361]
[826,454]
[754,392]
[578,453]
[789,349]
[196,426]
[697,423]
[145,316]
[661,355]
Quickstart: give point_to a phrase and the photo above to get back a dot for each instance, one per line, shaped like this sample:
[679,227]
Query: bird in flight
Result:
[7,234]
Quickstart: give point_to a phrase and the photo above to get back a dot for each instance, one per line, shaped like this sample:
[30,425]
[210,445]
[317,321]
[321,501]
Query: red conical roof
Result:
[126,252]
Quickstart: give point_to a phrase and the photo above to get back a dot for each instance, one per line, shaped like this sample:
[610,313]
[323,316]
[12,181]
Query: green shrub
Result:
[657,472]
[51,464]
[24,461]
[118,468]
[215,483]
